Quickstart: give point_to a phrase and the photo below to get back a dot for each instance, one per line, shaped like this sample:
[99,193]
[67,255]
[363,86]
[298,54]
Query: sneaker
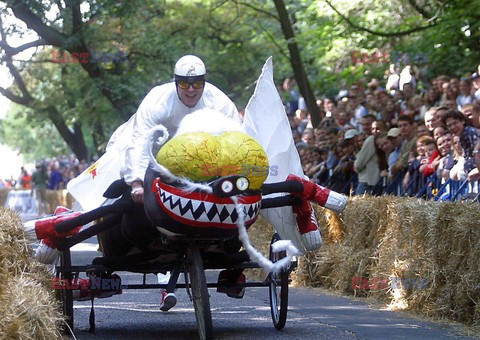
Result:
[307,226]
[88,290]
[323,196]
[169,300]
[227,286]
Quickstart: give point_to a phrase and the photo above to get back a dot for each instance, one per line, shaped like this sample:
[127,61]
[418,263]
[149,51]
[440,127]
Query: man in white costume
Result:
[167,105]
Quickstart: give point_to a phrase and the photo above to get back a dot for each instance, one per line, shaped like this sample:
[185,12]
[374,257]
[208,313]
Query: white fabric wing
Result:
[266,121]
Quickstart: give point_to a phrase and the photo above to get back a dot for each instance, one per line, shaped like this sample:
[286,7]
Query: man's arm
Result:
[151,112]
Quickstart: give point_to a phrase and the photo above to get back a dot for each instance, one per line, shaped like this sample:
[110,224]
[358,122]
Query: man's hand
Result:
[137,192]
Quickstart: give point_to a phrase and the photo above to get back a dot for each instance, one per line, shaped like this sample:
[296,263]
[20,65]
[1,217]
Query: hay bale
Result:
[57,198]
[15,252]
[28,309]
[383,237]
[260,234]
[28,306]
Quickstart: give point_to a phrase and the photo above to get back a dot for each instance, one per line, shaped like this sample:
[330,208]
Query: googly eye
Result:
[242,184]
[227,187]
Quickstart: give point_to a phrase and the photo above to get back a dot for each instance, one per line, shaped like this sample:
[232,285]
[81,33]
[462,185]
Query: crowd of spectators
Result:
[49,173]
[390,134]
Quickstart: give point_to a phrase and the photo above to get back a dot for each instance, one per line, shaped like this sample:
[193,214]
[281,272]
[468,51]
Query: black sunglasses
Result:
[185,84]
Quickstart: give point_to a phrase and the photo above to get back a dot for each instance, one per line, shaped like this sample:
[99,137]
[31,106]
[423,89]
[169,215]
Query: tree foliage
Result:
[85,102]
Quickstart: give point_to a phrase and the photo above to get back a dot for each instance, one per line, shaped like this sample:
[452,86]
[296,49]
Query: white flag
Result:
[266,121]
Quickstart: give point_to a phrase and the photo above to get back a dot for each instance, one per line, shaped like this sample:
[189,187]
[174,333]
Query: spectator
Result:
[439,131]
[308,137]
[472,112]
[390,113]
[379,126]
[422,130]
[366,161]
[25,179]
[342,173]
[433,158]
[409,133]
[56,179]
[383,148]
[465,97]
[432,119]
[457,173]
[431,99]
[459,126]
[361,139]
[412,178]
[360,111]
[40,182]
[444,145]
[331,136]
[476,85]
[396,140]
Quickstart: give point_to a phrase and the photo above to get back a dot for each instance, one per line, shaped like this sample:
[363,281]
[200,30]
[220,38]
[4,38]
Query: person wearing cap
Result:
[167,104]
[396,140]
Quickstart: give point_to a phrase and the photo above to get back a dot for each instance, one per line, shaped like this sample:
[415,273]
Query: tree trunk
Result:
[296,61]
[74,139]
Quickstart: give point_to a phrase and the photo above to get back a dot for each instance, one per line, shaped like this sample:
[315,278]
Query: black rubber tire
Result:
[201,298]
[67,294]
[278,290]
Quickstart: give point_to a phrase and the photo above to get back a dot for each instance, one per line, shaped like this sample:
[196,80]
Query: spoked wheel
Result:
[67,294]
[278,290]
[201,299]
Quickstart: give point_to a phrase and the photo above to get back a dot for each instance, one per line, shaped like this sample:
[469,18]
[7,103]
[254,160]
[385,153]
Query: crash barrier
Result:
[430,247]
[28,307]
[431,187]
[27,203]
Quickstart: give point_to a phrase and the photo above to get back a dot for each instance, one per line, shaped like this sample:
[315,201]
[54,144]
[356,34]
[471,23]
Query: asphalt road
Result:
[313,314]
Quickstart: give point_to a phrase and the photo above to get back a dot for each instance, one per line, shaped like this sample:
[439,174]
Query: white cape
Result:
[266,121]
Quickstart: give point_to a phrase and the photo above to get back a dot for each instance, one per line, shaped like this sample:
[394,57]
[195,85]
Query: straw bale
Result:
[15,252]
[27,304]
[57,198]
[408,238]
[29,311]
[260,234]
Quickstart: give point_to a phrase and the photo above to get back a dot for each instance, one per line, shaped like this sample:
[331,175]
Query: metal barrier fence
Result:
[429,188]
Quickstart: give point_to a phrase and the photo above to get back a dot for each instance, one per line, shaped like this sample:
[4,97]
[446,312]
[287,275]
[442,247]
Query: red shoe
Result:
[307,226]
[323,196]
[227,285]
[169,300]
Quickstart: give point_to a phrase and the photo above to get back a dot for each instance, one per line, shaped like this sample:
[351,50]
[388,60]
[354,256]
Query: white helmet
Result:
[189,66]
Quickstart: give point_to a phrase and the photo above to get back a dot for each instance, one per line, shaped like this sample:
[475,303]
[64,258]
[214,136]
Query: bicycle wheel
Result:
[278,288]
[201,299]
[67,294]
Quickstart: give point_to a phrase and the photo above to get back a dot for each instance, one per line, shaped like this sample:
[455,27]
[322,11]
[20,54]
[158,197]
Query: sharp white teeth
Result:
[196,204]
[179,204]
[208,206]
